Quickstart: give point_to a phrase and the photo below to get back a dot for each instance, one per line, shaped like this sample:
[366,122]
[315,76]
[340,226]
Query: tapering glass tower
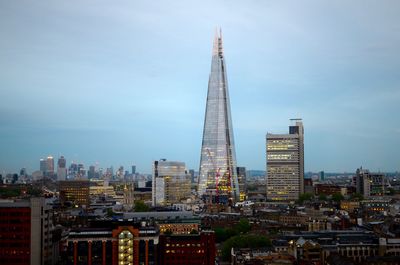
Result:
[218,175]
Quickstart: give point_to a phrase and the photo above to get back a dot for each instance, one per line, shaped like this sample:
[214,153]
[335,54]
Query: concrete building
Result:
[171,182]
[26,233]
[369,184]
[356,245]
[101,188]
[285,163]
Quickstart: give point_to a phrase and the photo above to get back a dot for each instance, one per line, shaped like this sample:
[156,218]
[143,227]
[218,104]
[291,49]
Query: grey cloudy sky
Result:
[125,82]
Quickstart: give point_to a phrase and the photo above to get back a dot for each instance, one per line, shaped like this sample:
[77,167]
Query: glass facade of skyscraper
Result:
[218,159]
[171,182]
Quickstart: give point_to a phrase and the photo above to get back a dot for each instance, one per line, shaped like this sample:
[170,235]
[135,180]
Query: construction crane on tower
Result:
[217,172]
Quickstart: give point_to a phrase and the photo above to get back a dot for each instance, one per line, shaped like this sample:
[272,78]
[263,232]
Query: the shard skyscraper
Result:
[218,177]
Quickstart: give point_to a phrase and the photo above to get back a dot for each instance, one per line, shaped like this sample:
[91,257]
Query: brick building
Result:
[187,249]
[113,243]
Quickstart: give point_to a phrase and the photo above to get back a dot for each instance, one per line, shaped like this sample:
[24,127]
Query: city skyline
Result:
[125,83]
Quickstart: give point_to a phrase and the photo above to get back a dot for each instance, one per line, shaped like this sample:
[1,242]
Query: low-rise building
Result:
[260,256]
[113,242]
[194,249]
[349,206]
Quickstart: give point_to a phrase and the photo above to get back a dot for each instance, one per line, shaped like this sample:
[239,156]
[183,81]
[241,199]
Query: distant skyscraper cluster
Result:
[219,180]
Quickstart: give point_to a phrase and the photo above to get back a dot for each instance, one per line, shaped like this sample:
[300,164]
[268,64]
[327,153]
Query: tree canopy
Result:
[305,197]
[140,206]
[337,197]
[222,234]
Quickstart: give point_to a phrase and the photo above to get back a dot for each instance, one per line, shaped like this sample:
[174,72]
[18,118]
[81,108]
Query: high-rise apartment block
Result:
[285,163]
[217,177]
[171,182]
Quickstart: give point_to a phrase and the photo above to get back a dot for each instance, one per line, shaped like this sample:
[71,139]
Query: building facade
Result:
[241,173]
[126,243]
[26,233]
[285,164]
[75,192]
[198,249]
[171,182]
[369,184]
[61,168]
[217,174]
[50,165]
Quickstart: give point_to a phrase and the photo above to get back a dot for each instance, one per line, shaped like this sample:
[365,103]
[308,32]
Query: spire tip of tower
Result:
[217,47]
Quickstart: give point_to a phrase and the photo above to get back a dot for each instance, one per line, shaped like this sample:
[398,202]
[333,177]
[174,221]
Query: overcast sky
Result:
[125,82]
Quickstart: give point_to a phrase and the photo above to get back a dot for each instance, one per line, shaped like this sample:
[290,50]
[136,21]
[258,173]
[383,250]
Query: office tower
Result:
[241,173]
[61,168]
[217,175]
[191,173]
[171,182]
[120,173]
[81,171]
[73,170]
[75,192]
[321,175]
[22,172]
[26,232]
[133,169]
[43,166]
[91,172]
[285,163]
[109,172]
[50,165]
[369,184]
